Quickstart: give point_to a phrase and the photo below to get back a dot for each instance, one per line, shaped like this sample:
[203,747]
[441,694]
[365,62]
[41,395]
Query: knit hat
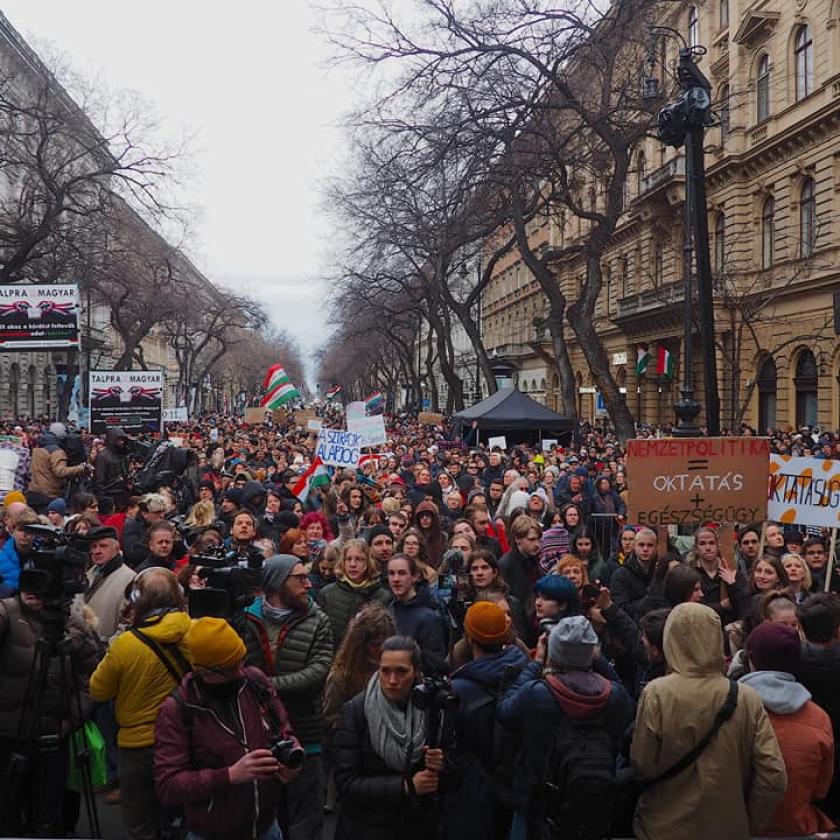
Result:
[58,506]
[285,520]
[572,642]
[233,495]
[556,588]
[478,491]
[59,430]
[486,623]
[774,647]
[214,643]
[554,543]
[275,571]
[13,496]
[379,531]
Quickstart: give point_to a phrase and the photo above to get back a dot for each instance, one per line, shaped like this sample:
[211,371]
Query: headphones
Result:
[133,590]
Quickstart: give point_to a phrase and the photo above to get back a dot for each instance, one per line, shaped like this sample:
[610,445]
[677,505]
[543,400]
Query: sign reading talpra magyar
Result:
[132,399]
[39,317]
[689,481]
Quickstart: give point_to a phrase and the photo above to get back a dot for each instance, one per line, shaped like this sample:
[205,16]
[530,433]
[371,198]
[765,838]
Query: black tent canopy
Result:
[511,413]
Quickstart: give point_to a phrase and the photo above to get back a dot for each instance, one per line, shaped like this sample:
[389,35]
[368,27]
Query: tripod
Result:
[40,761]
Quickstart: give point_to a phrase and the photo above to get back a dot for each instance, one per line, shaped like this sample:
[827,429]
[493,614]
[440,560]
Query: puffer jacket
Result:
[630,587]
[341,601]
[296,655]
[20,628]
[133,675]
[733,788]
[520,574]
[420,619]
[9,568]
[109,476]
[192,761]
[49,469]
[806,740]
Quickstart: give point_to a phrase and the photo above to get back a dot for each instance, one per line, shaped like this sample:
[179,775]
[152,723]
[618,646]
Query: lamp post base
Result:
[687,409]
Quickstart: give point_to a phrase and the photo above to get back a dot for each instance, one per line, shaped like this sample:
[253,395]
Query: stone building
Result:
[773,181]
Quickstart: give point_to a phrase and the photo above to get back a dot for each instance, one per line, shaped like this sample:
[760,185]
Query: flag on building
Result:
[316,475]
[333,392]
[278,388]
[642,358]
[374,403]
[664,362]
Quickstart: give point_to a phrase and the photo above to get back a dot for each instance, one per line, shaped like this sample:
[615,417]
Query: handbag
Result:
[87,738]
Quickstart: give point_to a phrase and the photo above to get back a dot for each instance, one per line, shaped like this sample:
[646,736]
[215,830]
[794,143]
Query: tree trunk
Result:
[563,364]
[472,331]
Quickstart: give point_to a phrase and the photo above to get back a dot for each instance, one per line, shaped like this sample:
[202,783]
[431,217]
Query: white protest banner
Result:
[314,425]
[499,441]
[175,415]
[339,448]
[804,491]
[355,410]
[372,429]
[548,443]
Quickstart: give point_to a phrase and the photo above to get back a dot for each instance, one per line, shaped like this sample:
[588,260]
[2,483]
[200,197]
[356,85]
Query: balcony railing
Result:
[650,300]
[674,167]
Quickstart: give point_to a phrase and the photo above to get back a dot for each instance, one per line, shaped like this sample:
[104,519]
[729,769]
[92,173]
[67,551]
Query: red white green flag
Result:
[278,388]
[664,362]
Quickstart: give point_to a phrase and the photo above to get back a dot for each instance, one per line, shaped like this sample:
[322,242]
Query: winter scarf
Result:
[396,735]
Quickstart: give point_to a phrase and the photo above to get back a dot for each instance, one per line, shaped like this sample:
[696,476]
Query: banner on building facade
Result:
[39,317]
[804,491]
[691,481]
[132,399]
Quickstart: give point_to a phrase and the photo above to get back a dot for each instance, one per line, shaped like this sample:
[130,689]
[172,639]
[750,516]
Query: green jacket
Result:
[340,601]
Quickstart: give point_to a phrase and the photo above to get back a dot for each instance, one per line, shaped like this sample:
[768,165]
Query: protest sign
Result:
[804,491]
[355,410]
[278,416]
[338,448]
[132,399]
[254,414]
[548,443]
[499,441]
[689,481]
[304,415]
[176,415]
[38,317]
[314,425]
[430,418]
[371,429]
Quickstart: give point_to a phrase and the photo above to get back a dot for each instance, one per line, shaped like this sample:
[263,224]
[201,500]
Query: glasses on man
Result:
[302,577]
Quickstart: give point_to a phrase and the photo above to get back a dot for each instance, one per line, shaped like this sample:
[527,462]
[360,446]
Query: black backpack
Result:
[580,787]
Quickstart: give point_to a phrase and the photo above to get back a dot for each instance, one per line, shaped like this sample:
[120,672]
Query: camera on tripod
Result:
[231,578]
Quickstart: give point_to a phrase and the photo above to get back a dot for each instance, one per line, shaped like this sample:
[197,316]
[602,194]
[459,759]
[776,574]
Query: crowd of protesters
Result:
[447,640]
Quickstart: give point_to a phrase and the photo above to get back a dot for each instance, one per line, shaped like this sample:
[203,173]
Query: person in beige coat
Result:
[733,787]
[108,577]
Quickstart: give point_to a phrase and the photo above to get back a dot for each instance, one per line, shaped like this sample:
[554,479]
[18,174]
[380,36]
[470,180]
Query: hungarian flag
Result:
[664,362]
[316,475]
[333,392]
[642,358]
[278,388]
[373,404]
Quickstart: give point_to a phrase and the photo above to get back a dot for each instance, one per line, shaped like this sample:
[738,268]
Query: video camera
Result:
[232,578]
[434,696]
[55,572]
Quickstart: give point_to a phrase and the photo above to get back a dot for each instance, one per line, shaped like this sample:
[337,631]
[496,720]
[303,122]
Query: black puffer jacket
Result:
[341,601]
[109,478]
[630,586]
[420,619]
[296,654]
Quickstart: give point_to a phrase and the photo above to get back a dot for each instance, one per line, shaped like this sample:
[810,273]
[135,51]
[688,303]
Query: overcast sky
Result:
[249,80]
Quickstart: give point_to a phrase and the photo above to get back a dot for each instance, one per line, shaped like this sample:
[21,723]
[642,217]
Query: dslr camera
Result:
[287,753]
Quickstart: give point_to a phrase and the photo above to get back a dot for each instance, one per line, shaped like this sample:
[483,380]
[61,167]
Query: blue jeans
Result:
[272,833]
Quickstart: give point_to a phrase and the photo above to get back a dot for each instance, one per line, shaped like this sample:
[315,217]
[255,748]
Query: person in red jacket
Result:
[213,740]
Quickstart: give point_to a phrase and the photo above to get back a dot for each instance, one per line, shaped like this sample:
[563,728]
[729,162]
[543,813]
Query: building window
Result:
[807,389]
[657,264]
[724,14]
[762,89]
[766,382]
[693,27]
[768,233]
[803,53]
[720,243]
[724,113]
[807,218]
[641,172]
[625,278]
[14,388]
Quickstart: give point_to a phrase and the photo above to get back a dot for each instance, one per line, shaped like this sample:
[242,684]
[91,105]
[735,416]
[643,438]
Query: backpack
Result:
[579,786]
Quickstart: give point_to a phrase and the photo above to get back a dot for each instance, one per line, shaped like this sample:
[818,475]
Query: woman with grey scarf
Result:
[385,776]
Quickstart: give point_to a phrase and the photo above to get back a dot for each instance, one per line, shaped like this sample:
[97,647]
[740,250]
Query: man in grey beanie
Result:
[50,470]
[290,639]
[537,705]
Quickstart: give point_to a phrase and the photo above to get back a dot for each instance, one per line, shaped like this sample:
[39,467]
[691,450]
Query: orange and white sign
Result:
[804,491]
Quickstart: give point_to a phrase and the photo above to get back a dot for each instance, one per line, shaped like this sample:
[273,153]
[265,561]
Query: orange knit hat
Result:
[486,623]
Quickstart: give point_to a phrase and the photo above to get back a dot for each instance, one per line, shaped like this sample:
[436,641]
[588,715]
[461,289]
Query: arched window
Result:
[762,89]
[641,172]
[807,389]
[803,55]
[766,382]
[657,264]
[693,27]
[720,243]
[723,16]
[807,218]
[768,233]
[723,110]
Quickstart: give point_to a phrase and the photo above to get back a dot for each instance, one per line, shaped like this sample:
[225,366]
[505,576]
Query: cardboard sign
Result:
[689,481]
[132,399]
[499,441]
[39,317]
[314,425]
[804,491]
[355,410]
[304,415]
[548,444]
[371,429]
[278,416]
[255,414]
[430,418]
[339,448]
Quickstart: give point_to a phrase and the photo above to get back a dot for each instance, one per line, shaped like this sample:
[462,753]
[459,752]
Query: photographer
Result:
[110,477]
[385,776]
[220,710]
[49,469]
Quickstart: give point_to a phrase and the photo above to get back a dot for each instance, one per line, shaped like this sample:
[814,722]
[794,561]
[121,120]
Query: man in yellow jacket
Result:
[141,668]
